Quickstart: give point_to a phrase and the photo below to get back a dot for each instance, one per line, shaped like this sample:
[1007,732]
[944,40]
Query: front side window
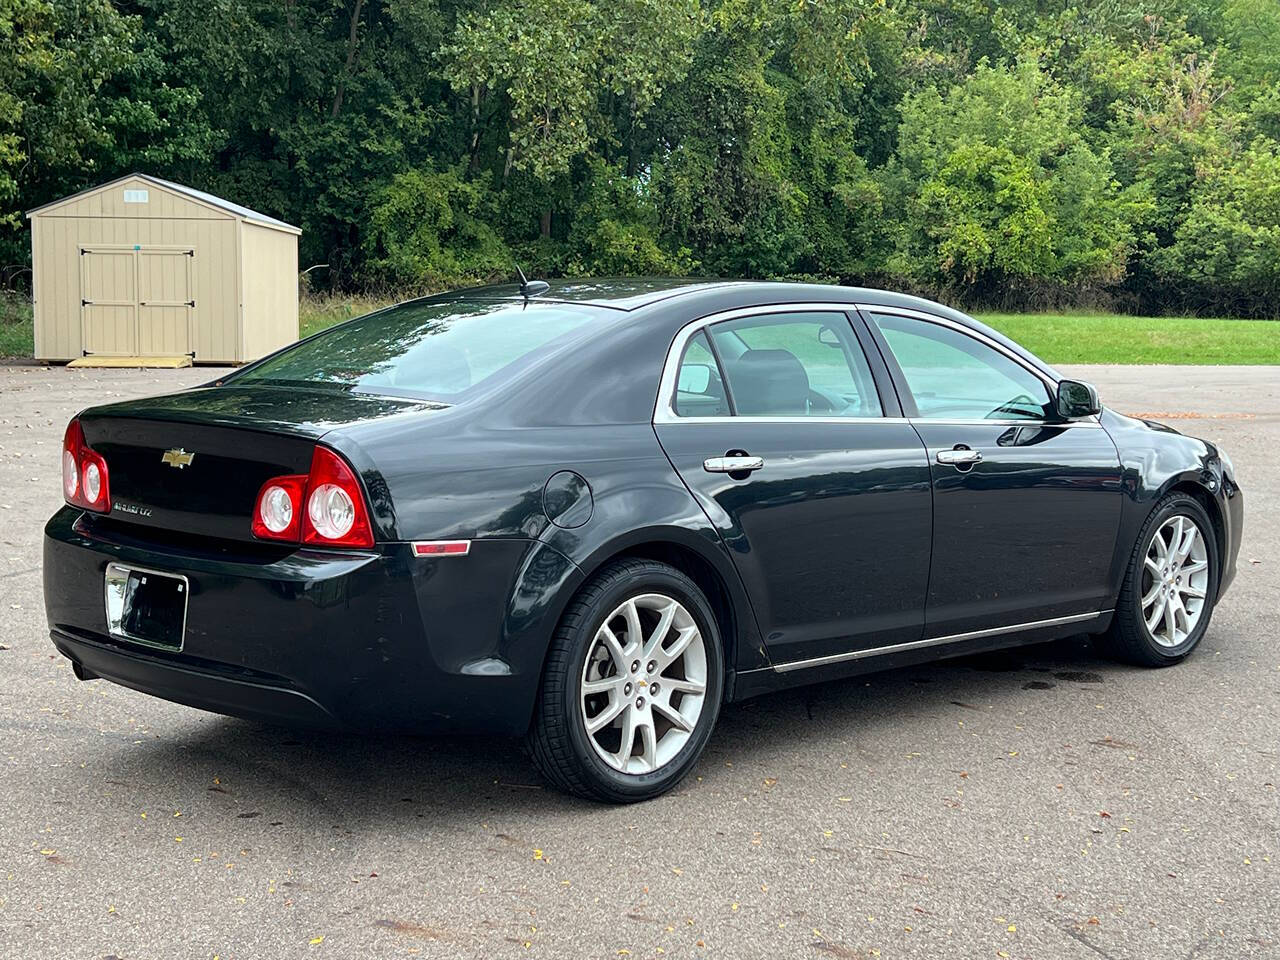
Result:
[795,365]
[432,350]
[953,376]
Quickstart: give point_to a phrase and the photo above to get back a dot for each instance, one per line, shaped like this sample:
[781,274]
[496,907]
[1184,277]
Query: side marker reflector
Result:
[441,548]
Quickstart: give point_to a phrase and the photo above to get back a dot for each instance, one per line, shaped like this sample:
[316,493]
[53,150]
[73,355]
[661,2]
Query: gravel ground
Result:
[1039,803]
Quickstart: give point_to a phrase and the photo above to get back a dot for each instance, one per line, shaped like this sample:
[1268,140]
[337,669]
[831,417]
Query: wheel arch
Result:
[700,556]
[709,580]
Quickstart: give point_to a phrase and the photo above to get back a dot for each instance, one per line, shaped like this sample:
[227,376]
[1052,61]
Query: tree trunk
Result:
[631,134]
[353,43]
[475,129]
[546,224]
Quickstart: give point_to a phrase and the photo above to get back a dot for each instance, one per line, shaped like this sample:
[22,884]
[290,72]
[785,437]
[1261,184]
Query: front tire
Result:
[1170,587]
[632,685]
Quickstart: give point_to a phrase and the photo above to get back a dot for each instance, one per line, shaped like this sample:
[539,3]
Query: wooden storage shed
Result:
[141,267]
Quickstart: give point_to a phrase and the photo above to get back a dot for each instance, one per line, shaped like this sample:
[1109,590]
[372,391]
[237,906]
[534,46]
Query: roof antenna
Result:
[531,288]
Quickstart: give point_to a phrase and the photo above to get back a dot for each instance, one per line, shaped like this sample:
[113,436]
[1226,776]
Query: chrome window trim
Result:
[1051,424]
[934,641]
[664,409]
[899,420]
[679,419]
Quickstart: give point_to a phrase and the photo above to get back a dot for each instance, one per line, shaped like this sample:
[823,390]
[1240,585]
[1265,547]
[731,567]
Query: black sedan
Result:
[590,513]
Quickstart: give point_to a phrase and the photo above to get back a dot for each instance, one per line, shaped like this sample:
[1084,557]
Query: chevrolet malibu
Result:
[590,513]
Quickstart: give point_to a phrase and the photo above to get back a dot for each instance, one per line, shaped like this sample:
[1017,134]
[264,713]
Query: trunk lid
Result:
[194,462]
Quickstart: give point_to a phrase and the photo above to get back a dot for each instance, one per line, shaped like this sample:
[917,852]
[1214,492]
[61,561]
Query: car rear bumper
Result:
[202,688]
[373,639]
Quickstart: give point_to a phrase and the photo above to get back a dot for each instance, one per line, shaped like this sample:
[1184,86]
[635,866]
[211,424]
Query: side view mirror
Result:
[1077,399]
[694,378]
[828,337]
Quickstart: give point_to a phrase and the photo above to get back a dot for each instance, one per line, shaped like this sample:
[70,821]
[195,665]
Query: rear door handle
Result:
[732,464]
[959,457]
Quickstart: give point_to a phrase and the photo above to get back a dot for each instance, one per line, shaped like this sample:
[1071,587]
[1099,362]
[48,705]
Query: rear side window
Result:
[795,365]
[433,350]
[699,387]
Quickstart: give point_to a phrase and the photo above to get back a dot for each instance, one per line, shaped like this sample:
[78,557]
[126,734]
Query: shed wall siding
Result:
[270,298]
[57,240]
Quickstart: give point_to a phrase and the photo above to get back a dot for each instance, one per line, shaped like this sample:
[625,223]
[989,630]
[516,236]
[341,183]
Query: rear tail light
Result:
[278,512]
[84,472]
[324,507]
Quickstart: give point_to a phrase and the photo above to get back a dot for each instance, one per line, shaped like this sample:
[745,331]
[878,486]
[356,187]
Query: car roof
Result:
[618,293]
[633,293]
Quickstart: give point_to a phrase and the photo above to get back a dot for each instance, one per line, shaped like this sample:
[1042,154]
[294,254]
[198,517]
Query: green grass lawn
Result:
[1055,337]
[17,339]
[16,336]
[316,313]
[1105,338]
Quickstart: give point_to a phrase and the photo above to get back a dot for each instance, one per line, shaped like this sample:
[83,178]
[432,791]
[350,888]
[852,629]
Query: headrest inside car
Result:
[769,383]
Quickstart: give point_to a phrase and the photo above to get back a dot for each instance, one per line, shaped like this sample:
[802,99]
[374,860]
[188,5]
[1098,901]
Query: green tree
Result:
[557,66]
[991,151]
[1002,196]
[615,229]
[1251,46]
[55,57]
[758,172]
[430,230]
[1226,249]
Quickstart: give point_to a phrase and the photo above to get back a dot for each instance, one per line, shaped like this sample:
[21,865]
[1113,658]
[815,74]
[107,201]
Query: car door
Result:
[792,440]
[1026,507]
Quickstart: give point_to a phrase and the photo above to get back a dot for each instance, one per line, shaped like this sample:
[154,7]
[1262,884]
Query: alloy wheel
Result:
[1175,580]
[644,683]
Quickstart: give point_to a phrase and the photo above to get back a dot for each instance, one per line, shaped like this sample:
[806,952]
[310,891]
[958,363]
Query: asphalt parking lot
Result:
[1039,803]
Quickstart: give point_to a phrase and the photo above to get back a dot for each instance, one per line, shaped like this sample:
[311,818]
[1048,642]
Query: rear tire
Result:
[637,655]
[1170,587]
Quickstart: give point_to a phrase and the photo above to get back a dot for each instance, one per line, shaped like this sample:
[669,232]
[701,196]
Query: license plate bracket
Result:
[146,606]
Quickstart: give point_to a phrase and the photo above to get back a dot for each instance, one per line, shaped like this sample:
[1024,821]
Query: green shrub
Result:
[998,188]
[431,229]
[1228,245]
[615,229]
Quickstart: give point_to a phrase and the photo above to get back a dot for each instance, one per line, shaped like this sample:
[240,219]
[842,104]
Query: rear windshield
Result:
[437,351]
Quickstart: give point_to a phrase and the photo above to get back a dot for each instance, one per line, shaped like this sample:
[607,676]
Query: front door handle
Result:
[960,457]
[732,464]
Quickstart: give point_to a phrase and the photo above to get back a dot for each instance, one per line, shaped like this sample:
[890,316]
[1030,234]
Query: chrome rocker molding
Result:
[934,641]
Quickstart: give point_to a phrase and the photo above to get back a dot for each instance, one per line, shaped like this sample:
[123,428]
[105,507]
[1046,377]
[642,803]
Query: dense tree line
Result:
[999,152]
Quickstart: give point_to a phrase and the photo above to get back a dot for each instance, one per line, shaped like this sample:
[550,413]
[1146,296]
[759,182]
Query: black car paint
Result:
[1156,459]
[833,507]
[382,638]
[1028,533]
[319,636]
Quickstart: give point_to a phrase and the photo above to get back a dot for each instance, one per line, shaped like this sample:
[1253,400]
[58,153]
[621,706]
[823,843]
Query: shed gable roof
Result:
[189,193]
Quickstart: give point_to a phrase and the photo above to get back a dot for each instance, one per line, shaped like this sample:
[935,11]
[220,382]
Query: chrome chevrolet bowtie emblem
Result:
[177,457]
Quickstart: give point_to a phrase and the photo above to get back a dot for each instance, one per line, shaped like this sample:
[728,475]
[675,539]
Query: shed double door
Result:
[136,302]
